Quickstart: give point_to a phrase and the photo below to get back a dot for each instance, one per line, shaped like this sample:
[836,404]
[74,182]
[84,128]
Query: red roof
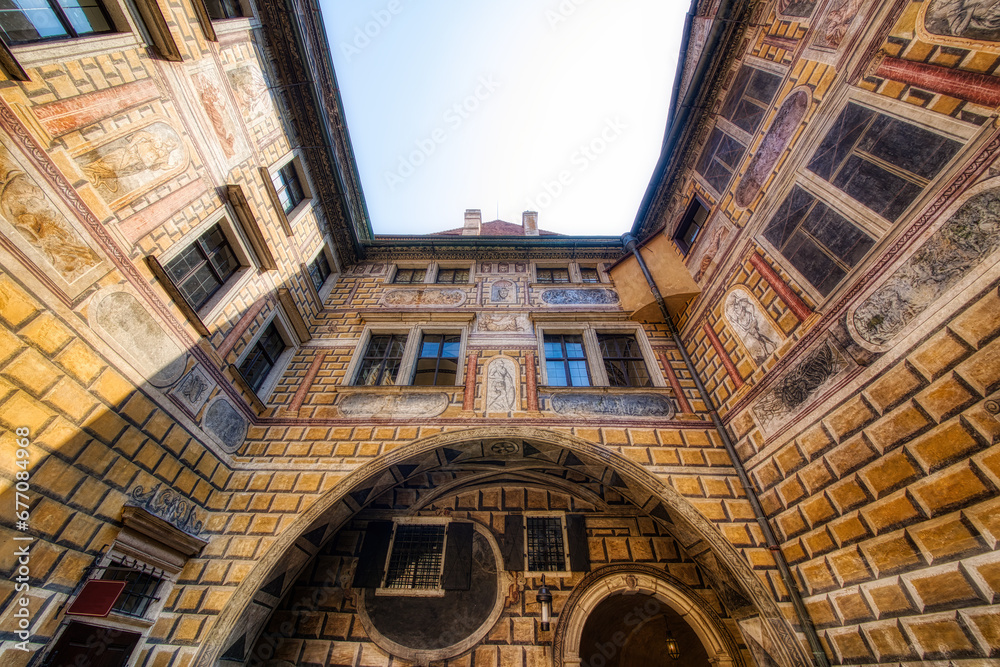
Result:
[496,228]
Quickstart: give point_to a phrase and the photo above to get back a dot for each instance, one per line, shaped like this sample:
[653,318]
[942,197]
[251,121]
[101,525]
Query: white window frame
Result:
[435,268]
[592,349]
[390,275]
[573,279]
[411,351]
[576,272]
[414,592]
[292,157]
[249,265]
[565,572]
[292,343]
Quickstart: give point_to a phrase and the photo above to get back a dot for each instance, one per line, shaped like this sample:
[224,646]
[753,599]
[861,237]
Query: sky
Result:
[555,106]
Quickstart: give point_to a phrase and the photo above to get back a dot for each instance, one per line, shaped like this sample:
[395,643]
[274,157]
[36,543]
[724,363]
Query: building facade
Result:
[240,428]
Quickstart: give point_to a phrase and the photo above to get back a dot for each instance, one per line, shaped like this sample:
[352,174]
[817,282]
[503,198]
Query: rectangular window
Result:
[589,274]
[141,584]
[452,276]
[286,184]
[409,276]
[27,21]
[719,160]
[691,225]
[546,551]
[820,243]
[566,361]
[226,9]
[437,364]
[880,161]
[551,276]
[201,269]
[381,362]
[417,556]
[623,360]
[263,356]
[319,270]
[749,98]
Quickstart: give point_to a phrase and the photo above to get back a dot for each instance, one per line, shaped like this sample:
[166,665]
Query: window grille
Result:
[417,557]
[546,552]
[141,584]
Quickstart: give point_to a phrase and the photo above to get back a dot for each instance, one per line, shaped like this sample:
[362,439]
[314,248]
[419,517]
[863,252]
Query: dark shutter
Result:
[579,550]
[368,574]
[512,545]
[458,557]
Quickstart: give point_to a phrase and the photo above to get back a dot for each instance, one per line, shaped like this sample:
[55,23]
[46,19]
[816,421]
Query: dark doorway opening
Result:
[92,645]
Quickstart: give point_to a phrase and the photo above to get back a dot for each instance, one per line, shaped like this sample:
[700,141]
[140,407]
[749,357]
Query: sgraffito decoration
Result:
[835,25]
[800,384]
[250,90]
[577,297]
[424,297]
[754,329]
[501,385]
[603,405]
[502,322]
[169,506]
[503,291]
[968,237]
[393,405]
[970,19]
[226,423]
[140,338]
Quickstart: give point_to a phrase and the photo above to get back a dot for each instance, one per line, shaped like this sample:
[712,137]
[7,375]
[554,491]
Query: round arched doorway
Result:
[632,629]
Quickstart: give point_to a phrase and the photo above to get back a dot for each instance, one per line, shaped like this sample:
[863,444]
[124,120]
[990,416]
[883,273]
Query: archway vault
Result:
[482,452]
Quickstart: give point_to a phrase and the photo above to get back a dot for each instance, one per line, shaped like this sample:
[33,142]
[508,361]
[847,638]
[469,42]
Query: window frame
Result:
[277,370]
[437,591]
[437,367]
[248,263]
[293,160]
[566,571]
[595,360]
[687,221]
[536,276]
[434,273]
[66,23]
[566,359]
[411,350]
[390,278]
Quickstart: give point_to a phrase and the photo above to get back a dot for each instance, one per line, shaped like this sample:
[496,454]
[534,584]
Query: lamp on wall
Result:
[673,649]
[544,598]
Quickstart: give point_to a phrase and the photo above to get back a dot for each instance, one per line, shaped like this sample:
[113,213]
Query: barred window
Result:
[452,276]
[623,360]
[416,557]
[566,361]
[381,362]
[201,269]
[141,584]
[551,276]
[409,276]
[41,20]
[546,550]
[880,161]
[438,360]
[263,356]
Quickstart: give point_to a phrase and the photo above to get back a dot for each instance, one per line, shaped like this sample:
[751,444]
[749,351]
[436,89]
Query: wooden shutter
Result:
[512,545]
[371,562]
[457,574]
[579,549]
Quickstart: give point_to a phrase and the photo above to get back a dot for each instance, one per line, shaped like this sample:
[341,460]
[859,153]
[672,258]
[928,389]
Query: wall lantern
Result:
[673,650]
[544,598]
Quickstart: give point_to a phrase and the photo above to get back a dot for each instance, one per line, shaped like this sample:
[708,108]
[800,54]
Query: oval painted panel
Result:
[792,110]
[131,326]
[227,424]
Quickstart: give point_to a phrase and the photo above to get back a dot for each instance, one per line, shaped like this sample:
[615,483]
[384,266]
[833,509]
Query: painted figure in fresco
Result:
[709,256]
[251,91]
[25,206]
[741,313]
[503,291]
[214,105]
[973,19]
[144,151]
[500,393]
[837,21]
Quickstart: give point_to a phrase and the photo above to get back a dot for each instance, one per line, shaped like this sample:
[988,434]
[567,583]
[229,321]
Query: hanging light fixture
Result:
[544,598]
[673,649]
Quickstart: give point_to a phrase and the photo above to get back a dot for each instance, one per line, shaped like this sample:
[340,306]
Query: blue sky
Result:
[557,106]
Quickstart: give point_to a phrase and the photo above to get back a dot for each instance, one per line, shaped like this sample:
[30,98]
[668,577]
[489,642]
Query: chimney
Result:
[529,220]
[473,222]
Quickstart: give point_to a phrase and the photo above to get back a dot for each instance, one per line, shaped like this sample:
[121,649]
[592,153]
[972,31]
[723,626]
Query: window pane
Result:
[589,275]
[29,21]
[86,16]
[623,361]
[556,372]
[199,287]
[381,361]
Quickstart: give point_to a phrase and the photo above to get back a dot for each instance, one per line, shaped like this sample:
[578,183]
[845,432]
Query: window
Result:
[566,361]
[452,276]
[287,185]
[141,584]
[691,225]
[880,161]
[719,160]
[381,361]
[545,545]
[226,9]
[409,276]
[551,276]
[319,270]
[201,269]
[438,361]
[749,98]
[39,20]
[416,557]
[589,274]
[263,356]
[820,243]
[623,360]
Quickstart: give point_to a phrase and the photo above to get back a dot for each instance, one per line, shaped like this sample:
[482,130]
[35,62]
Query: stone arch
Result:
[635,578]
[235,628]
